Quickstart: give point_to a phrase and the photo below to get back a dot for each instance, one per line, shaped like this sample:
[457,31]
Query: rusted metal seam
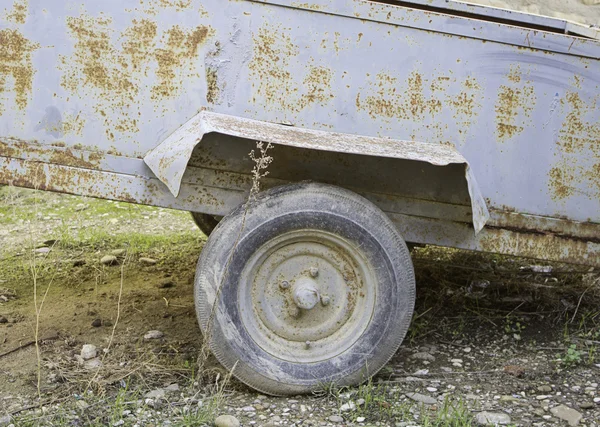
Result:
[462,27]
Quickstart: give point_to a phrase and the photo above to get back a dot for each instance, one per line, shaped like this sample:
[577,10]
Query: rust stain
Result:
[213,91]
[16,69]
[273,51]
[392,100]
[513,107]
[110,68]
[176,62]
[578,146]
[307,6]
[466,104]
[18,13]
[318,85]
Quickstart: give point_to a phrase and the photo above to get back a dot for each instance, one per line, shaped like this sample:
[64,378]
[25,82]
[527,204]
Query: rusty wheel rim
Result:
[307,296]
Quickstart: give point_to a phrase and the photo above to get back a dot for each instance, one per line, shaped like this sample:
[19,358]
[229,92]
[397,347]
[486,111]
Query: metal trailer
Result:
[424,121]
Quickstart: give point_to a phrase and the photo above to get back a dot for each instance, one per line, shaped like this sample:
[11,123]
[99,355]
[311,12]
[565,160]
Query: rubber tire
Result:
[293,207]
[206,223]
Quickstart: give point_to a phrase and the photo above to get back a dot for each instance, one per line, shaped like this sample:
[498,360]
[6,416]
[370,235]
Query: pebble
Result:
[159,393]
[147,261]
[360,419]
[108,260]
[336,419]
[92,363]
[567,414]
[3,319]
[544,389]
[248,409]
[88,351]
[350,406]
[4,420]
[173,387]
[418,397]
[97,323]
[492,418]
[227,421]
[82,404]
[423,356]
[586,405]
[118,252]
[153,335]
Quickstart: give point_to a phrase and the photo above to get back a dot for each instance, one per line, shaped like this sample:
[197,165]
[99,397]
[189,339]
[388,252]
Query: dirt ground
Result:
[504,338]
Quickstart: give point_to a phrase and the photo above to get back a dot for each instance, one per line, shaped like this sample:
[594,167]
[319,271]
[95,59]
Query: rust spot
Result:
[213,91]
[18,13]
[273,51]
[16,69]
[394,101]
[578,146]
[318,84]
[513,107]
[466,104]
[176,62]
[113,74]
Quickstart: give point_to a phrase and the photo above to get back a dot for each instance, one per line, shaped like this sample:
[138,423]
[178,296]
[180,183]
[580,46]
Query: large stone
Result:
[492,418]
[109,260]
[227,421]
[88,351]
[153,335]
[421,398]
[567,414]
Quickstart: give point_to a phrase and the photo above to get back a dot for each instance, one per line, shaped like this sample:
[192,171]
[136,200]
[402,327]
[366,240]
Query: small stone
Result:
[109,260]
[423,356]
[173,388]
[586,405]
[4,420]
[336,419]
[350,406]
[227,421]
[153,335]
[422,372]
[432,389]
[97,323]
[249,409]
[467,349]
[542,397]
[567,414]
[92,363]
[360,402]
[418,397]
[544,389]
[492,418]
[42,250]
[459,361]
[159,393]
[118,423]
[3,319]
[82,404]
[360,419]
[596,399]
[118,252]
[165,284]
[147,261]
[88,351]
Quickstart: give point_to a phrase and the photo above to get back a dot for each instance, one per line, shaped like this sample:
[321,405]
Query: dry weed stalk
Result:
[261,163]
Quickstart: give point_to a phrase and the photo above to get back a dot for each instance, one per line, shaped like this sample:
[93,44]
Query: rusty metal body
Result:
[91,93]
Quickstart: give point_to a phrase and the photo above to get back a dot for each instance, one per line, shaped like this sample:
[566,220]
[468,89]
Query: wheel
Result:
[206,223]
[309,285]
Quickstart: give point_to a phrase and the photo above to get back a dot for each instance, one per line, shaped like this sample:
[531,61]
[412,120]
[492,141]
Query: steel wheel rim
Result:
[307,296]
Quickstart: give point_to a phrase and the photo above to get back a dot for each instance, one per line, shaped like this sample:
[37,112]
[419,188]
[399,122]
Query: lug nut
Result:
[325,300]
[314,271]
[284,284]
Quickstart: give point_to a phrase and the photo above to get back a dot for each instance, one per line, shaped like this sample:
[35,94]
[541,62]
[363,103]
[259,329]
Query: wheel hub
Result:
[306,287]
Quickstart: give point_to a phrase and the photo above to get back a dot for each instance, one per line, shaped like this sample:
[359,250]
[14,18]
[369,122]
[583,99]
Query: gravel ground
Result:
[494,340]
